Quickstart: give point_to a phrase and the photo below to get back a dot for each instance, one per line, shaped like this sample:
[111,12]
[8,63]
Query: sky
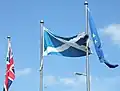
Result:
[20,19]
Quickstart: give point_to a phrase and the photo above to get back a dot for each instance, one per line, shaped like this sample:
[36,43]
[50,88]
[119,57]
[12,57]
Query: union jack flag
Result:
[10,72]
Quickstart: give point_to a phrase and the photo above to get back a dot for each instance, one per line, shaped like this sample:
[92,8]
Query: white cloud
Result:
[113,31]
[79,83]
[106,84]
[68,81]
[23,72]
[50,80]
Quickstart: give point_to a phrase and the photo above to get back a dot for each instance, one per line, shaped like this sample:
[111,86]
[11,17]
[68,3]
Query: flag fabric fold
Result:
[74,46]
[97,43]
[10,72]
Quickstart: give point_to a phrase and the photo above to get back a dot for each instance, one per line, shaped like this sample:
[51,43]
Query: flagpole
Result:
[87,55]
[41,54]
[8,37]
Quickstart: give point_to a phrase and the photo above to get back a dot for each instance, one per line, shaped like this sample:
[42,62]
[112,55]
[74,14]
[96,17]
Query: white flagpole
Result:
[87,55]
[8,37]
[41,54]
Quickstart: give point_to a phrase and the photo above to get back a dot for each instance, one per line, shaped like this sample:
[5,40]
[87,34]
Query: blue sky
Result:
[20,20]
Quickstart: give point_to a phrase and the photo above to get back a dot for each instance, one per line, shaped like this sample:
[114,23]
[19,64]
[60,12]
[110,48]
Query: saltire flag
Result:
[97,43]
[74,46]
[10,72]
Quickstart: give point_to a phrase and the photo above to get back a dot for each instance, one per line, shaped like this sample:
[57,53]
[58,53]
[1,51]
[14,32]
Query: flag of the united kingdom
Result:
[10,72]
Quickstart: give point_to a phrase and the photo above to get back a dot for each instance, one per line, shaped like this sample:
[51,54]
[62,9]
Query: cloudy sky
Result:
[20,20]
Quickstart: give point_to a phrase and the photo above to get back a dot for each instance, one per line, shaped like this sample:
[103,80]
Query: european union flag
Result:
[74,46]
[97,43]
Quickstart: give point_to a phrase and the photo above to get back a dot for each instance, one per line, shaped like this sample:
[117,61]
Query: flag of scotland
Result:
[74,46]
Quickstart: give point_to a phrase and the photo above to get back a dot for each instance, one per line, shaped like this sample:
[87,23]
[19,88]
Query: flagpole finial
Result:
[42,21]
[8,37]
[86,3]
